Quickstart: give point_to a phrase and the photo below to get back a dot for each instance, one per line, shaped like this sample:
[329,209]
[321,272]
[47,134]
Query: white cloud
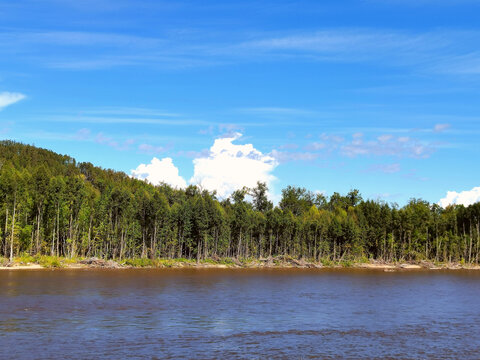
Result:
[439,50]
[385,168]
[387,145]
[315,146]
[152,149]
[441,127]
[159,171]
[286,156]
[230,167]
[82,134]
[277,111]
[465,198]
[107,140]
[8,98]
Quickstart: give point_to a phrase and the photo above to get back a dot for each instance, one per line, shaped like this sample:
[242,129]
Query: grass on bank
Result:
[45,260]
[168,263]
[280,261]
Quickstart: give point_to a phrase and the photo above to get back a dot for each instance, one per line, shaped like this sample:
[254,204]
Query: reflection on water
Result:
[211,314]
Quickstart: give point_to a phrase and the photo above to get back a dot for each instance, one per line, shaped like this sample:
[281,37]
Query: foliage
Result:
[51,207]
[48,261]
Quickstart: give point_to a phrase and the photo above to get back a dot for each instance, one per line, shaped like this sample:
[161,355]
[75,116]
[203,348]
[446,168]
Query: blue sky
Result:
[379,95]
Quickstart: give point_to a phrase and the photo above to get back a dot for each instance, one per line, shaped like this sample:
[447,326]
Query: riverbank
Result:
[51,262]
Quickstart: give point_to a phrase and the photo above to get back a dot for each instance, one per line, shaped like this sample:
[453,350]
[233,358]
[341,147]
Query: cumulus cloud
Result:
[9,98]
[226,167]
[465,198]
[230,167]
[160,171]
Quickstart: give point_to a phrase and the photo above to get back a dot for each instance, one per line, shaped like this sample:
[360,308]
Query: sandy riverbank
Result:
[279,262]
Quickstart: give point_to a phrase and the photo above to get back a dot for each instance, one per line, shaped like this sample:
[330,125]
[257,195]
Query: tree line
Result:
[52,205]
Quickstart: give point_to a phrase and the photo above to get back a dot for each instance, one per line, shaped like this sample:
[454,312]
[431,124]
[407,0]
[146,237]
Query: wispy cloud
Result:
[121,115]
[287,156]
[413,175]
[153,149]
[115,141]
[360,45]
[361,145]
[315,146]
[124,120]
[82,134]
[109,141]
[418,3]
[441,127]
[229,130]
[277,111]
[9,98]
[81,50]
[387,145]
[445,51]
[289,146]
[5,127]
[384,168]
[128,111]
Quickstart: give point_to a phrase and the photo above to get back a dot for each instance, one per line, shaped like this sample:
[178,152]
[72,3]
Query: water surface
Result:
[239,314]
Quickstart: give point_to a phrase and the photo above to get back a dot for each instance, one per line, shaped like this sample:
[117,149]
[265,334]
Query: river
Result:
[239,314]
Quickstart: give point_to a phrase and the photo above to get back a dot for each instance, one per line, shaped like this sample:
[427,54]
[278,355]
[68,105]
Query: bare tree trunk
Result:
[53,239]
[122,239]
[154,245]
[205,246]
[270,239]
[478,239]
[239,244]
[426,246]
[392,245]
[384,252]
[70,235]
[89,235]
[6,231]
[13,226]
[471,242]
[37,242]
[58,228]
[199,249]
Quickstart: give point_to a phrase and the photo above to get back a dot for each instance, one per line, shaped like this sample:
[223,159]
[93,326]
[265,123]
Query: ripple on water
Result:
[239,314]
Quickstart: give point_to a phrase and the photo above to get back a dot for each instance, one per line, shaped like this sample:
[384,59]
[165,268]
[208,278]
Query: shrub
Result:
[48,261]
[347,263]
[139,262]
[25,259]
[326,262]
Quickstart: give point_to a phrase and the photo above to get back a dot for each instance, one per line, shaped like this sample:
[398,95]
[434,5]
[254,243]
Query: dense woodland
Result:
[52,205]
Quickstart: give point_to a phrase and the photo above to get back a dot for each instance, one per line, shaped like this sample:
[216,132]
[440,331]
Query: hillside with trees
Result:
[52,205]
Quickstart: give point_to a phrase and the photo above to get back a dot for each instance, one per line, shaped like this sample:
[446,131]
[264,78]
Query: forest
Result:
[52,205]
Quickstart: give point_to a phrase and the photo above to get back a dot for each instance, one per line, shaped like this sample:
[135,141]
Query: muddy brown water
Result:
[239,314]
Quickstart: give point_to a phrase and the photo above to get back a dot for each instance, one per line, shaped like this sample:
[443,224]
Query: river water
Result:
[239,314]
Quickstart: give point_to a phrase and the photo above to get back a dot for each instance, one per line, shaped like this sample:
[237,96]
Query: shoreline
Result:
[270,263]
